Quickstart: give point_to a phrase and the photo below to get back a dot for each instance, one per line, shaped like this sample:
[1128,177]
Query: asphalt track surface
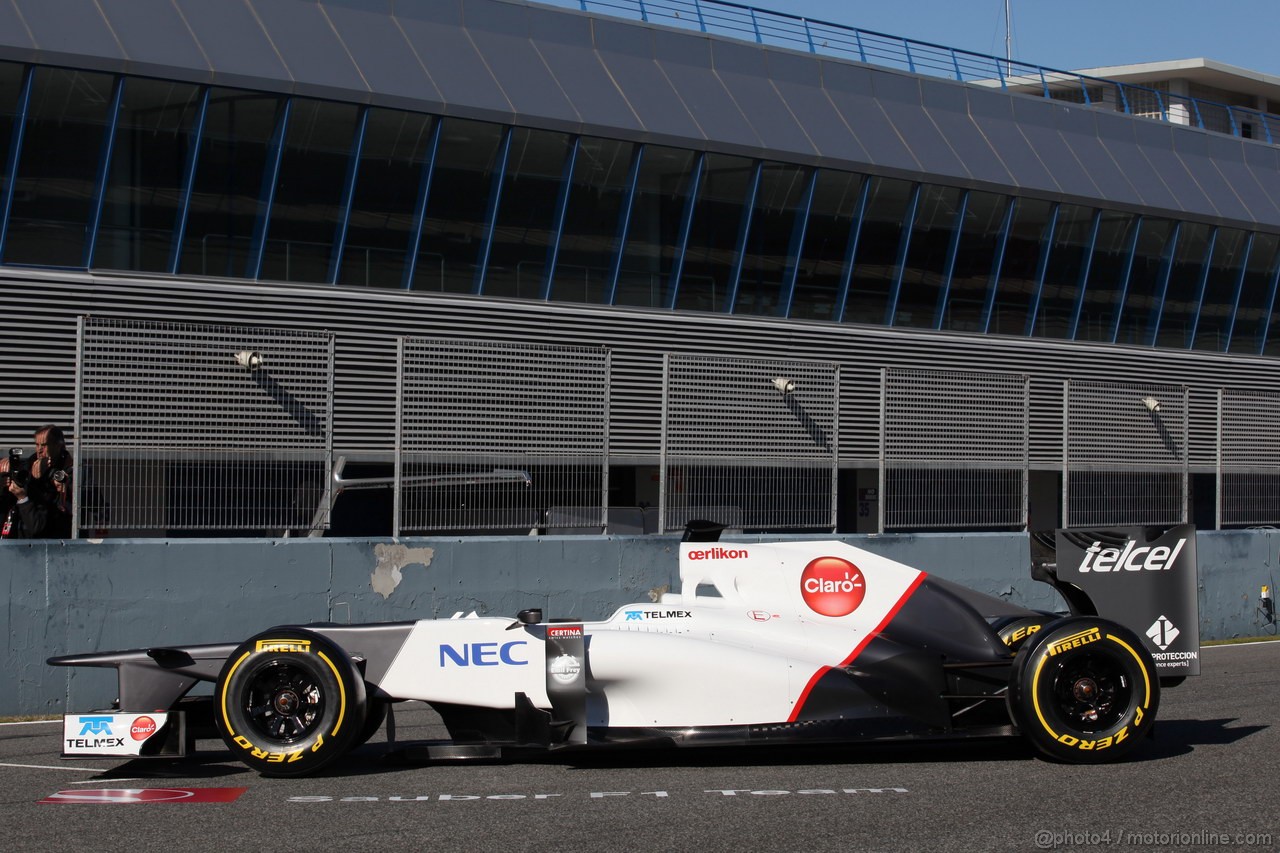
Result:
[1209,780]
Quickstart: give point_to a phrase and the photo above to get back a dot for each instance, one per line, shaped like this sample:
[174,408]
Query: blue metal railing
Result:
[720,17]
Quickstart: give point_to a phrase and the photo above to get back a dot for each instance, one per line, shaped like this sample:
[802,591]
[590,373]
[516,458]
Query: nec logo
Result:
[95,726]
[1131,558]
[482,654]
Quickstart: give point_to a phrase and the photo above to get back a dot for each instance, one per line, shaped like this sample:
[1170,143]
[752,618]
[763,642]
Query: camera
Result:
[17,473]
[59,476]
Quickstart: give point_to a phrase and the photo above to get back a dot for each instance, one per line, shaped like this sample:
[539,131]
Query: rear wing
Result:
[1144,578]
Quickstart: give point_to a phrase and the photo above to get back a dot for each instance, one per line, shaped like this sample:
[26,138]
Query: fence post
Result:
[398,450]
[883,478]
[662,446]
[77,459]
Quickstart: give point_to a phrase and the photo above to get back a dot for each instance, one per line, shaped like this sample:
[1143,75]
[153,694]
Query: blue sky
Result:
[1071,35]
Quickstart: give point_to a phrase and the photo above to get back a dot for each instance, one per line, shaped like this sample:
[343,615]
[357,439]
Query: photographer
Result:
[40,491]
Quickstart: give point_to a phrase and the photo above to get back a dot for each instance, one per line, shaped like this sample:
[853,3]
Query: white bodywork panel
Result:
[751,629]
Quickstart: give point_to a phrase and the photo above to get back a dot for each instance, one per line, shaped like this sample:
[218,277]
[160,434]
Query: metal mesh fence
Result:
[1248,458]
[1124,454]
[499,437]
[719,412]
[954,449]
[184,427]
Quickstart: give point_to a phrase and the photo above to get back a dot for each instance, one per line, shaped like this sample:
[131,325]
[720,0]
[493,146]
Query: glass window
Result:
[589,242]
[653,235]
[1256,295]
[713,238]
[11,77]
[974,269]
[57,180]
[1019,282]
[1218,304]
[388,180]
[454,223]
[526,223]
[1064,272]
[147,174]
[1151,263]
[1182,296]
[836,196]
[925,274]
[309,191]
[875,267]
[1108,268]
[772,241]
[226,196]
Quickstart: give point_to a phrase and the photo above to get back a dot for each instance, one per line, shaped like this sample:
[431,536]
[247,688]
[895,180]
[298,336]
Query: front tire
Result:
[288,702]
[1084,690]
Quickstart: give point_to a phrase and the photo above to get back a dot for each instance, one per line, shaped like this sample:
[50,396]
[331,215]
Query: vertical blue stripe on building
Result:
[266,199]
[562,206]
[348,196]
[744,231]
[420,204]
[491,213]
[104,169]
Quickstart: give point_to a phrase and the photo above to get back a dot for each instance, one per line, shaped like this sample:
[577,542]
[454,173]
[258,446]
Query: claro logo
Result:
[1131,558]
[832,586]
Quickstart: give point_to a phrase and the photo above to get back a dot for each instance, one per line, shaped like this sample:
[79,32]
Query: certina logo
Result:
[832,586]
[719,554]
[142,728]
[484,654]
[564,631]
[633,615]
[1162,632]
[95,726]
[1130,558]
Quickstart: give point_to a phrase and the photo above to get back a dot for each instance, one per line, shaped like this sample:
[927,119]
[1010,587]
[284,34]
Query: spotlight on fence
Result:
[784,385]
[1152,404]
[249,359]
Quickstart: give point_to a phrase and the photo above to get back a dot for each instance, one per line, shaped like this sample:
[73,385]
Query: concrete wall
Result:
[117,594]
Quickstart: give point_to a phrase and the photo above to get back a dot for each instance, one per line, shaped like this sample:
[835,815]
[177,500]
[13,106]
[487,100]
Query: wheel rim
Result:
[284,702]
[1093,691]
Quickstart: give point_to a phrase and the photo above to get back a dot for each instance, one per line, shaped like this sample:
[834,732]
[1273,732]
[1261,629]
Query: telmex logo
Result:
[719,554]
[1131,559]
[832,586]
[283,646]
[95,726]
[482,654]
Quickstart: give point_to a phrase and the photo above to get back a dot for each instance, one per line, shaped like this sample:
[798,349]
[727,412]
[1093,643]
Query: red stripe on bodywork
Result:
[871,635]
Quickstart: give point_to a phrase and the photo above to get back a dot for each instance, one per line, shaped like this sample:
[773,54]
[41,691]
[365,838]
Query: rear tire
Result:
[1084,690]
[288,702]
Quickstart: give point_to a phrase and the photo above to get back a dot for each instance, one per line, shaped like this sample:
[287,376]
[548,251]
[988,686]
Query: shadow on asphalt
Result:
[1172,738]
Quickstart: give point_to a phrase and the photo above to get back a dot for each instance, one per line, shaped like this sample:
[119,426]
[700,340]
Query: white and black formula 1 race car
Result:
[801,641]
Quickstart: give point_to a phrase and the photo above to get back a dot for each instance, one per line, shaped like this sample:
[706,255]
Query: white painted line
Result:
[54,767]
[113,780]
[32,723]
[1233,645]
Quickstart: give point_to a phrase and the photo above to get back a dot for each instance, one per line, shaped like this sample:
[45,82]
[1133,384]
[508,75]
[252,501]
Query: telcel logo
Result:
[832,586]
[142,728]
[1131,558]
[482,654]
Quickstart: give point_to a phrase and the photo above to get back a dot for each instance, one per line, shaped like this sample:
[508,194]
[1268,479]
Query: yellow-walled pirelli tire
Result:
[1015,631]
[1084,690]
[288,702]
